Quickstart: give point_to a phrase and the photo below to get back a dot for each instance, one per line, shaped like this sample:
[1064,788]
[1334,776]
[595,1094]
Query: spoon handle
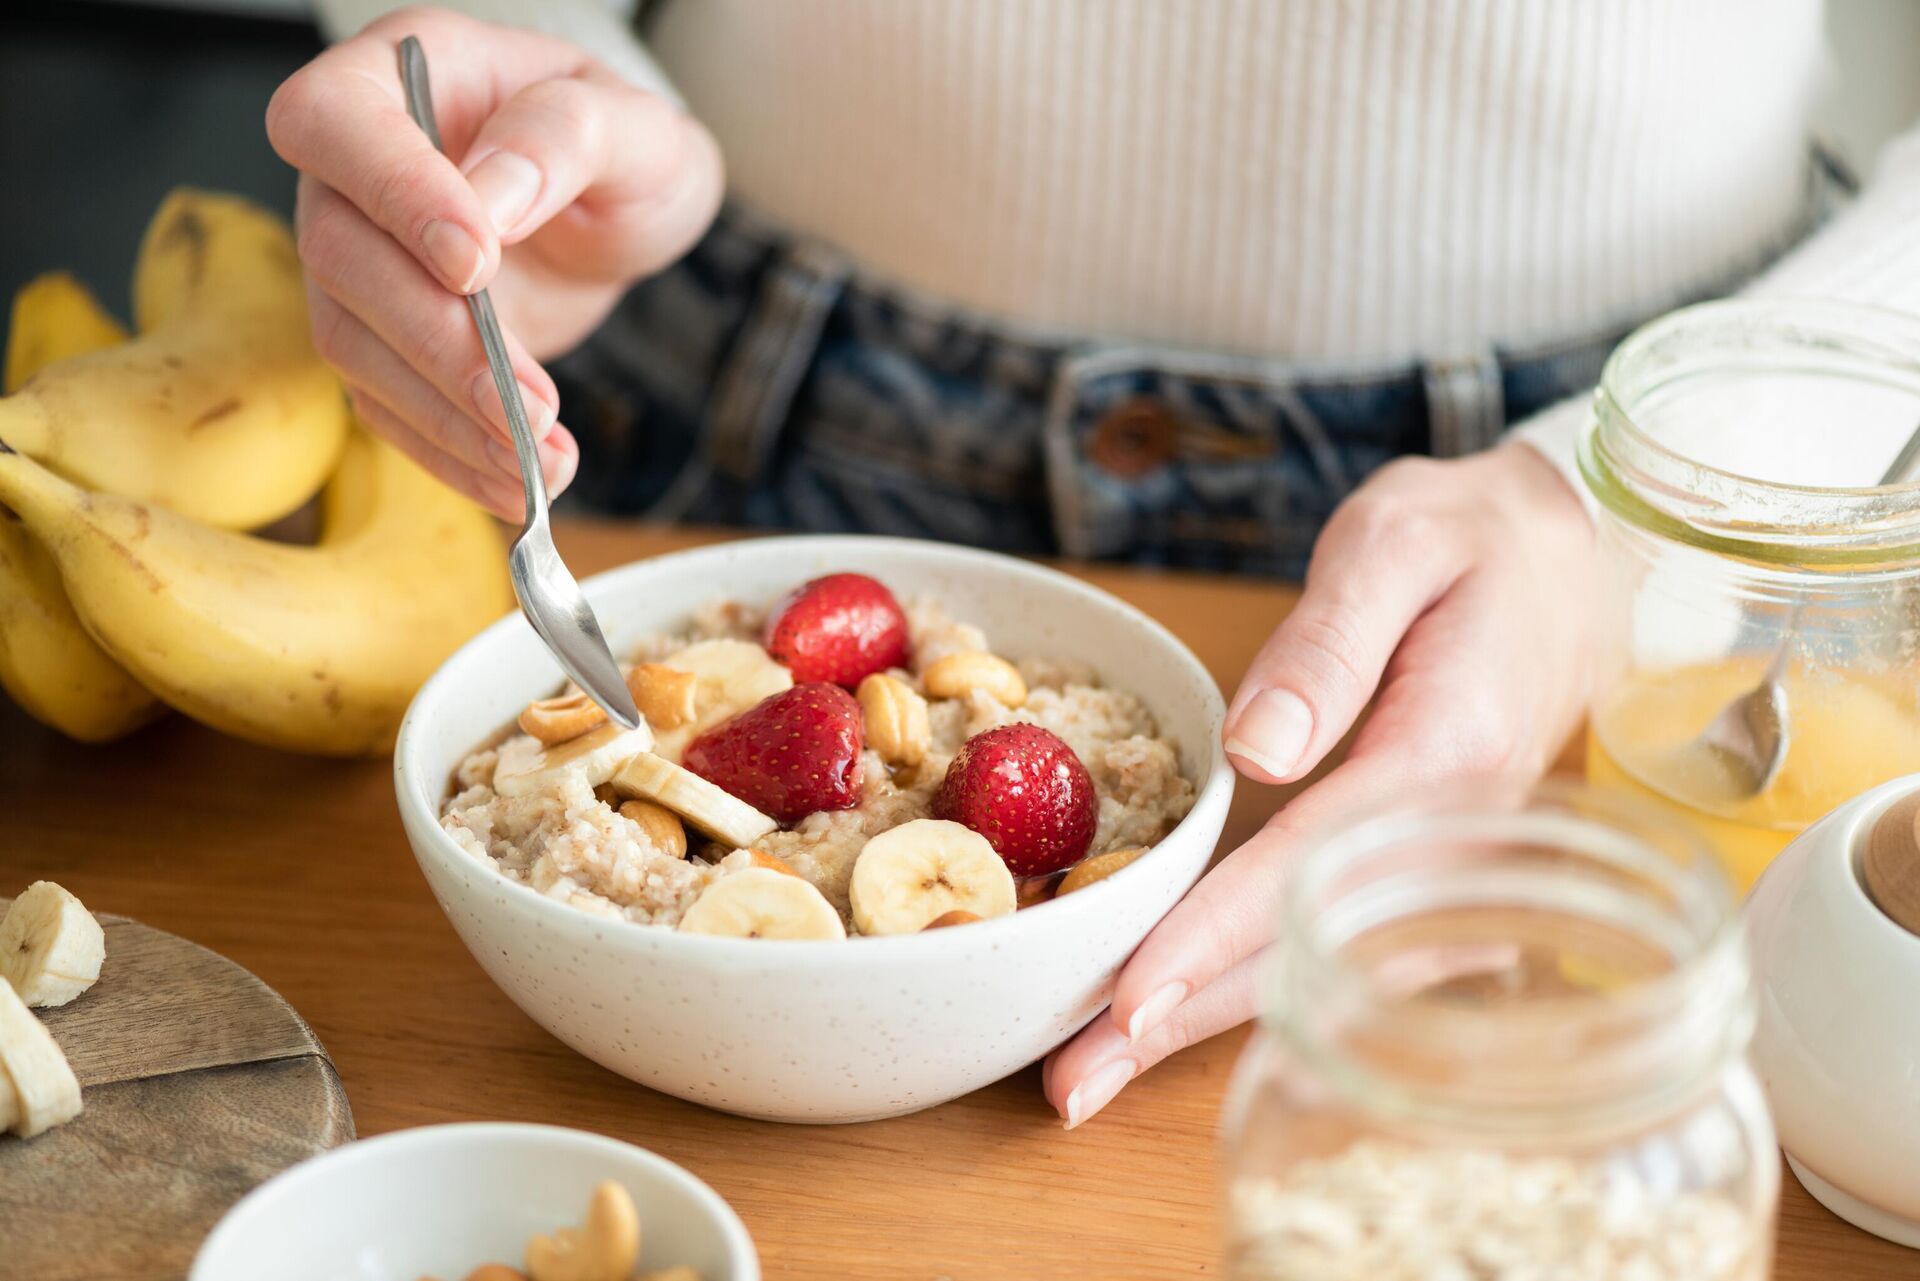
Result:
[1896,472]
[413,76]
[1903,461]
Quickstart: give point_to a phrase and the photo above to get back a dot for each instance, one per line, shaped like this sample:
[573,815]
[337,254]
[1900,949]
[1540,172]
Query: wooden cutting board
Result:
[199,1082]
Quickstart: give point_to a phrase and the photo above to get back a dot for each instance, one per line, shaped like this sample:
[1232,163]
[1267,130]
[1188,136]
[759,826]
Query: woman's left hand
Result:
[1455,597]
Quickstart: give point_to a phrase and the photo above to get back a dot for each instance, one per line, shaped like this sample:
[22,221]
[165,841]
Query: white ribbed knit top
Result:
[1349,179]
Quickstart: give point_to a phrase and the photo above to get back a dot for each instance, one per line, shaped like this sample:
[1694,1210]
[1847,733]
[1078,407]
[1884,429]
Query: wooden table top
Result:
[298,870]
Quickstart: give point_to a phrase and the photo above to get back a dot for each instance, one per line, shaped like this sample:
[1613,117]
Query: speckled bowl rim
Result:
[1214,790]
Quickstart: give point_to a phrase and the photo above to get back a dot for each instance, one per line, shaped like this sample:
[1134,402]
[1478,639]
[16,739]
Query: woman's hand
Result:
[566,185]
[1455,595]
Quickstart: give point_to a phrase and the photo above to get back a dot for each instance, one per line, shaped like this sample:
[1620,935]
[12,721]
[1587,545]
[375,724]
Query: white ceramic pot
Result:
[1838,1043]
[808,1030]
[444,1199]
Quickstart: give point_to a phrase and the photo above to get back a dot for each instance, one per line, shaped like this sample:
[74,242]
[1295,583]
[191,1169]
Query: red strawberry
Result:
[841,628]
[788,755]
[1024,790]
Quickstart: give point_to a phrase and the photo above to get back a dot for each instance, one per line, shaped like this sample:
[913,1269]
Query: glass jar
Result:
[1733,451]
[1504,1038]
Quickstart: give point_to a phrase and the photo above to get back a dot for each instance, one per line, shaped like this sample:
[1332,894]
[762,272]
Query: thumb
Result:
[1370,579]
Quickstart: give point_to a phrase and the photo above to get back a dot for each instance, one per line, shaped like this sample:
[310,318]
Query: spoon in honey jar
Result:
[1750,735]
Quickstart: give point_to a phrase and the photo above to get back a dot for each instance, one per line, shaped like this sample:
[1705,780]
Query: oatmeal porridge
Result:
[779,744]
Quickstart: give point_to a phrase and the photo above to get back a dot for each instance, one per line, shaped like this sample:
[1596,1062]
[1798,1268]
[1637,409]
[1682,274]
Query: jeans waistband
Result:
[785,387]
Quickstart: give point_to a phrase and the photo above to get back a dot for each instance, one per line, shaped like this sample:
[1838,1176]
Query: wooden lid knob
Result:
[1891,868]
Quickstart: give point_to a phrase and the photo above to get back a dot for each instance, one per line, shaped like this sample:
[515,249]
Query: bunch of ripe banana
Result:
[129,464]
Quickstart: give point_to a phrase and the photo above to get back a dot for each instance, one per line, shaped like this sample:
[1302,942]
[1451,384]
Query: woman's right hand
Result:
[565,185]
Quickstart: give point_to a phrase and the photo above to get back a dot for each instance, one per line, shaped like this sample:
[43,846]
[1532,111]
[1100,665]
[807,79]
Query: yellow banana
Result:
[48,663]
[220,410]
[54,317]
[313,649]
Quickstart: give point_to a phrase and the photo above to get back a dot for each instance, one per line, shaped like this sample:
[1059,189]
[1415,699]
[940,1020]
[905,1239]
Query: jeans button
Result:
[1135,438]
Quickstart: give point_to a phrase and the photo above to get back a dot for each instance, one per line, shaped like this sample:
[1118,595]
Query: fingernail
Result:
[1272,731]
[507,185]
[1098,1090]
[454,254]
[486,398]
[1154,1010]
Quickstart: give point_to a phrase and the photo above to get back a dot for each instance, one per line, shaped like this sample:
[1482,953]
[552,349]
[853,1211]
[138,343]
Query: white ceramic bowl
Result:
[443,1199]
[811,1030]
[1838,1041]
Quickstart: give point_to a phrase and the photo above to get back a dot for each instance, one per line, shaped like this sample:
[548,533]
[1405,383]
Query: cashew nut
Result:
[772,862]
[959,916]
[664,830]
[957,675]
[665,695]
[555,720]
[895,719]
[1097,868]
[604,1248]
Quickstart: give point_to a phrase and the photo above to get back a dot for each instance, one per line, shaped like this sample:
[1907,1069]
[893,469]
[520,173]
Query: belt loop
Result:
[754,389]
[1466,406]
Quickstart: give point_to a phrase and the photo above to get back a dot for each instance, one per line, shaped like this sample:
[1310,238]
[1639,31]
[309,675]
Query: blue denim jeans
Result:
[761,382]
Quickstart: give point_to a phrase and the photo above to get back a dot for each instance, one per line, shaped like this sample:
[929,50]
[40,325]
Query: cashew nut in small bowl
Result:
[604,1248]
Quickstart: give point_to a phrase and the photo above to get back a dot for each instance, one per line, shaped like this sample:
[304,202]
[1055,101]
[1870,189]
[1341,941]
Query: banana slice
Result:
[721,815]
[921,871]
[527,765]
[50,946]
[762,903]
[9,1101]
[733,675]
[44,1090]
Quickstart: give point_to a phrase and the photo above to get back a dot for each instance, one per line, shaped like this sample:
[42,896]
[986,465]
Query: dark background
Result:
[105,107]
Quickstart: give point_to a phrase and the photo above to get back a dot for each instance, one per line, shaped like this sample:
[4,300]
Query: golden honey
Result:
[1848,732]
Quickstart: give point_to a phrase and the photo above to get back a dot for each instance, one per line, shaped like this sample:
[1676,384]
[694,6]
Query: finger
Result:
[1085,1074]
[371,367]
[559,461]
[646,171]
[506,496]
[343,119]
[1435,719]
[349,260]
[1377,568]
[489,490]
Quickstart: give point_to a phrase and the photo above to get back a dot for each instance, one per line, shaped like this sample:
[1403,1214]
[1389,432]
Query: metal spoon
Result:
[548,595]
[1750,734]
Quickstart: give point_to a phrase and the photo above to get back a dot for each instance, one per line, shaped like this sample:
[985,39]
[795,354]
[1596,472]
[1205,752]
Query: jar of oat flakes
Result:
[1505,1038]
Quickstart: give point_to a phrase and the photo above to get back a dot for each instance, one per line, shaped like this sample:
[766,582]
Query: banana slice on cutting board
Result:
[733,675]
[914,874]
[526,765]
[720,814]
[763,903]
[37,1088]
[50,946]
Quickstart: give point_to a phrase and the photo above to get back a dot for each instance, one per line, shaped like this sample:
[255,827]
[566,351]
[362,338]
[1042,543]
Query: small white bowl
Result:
[809,1030]
[1838,1041]
[443,1199]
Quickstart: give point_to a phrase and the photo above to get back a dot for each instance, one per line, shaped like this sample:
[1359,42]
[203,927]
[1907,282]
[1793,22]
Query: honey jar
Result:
[1733,452]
